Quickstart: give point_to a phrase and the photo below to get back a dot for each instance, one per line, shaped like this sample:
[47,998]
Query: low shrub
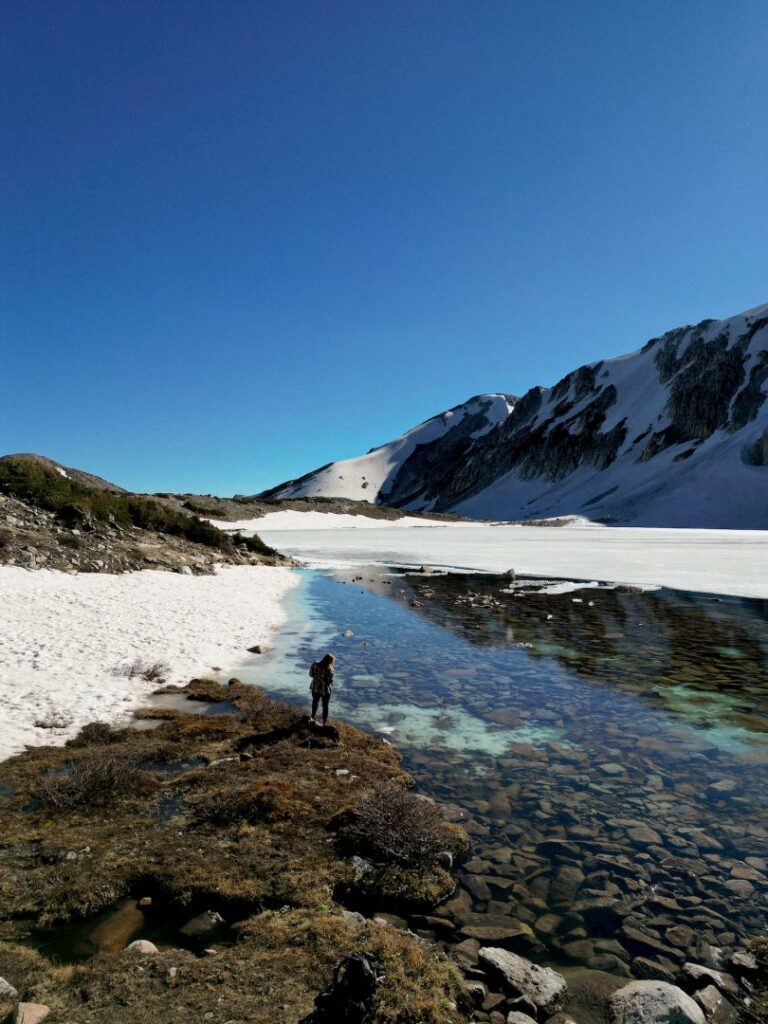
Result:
[77,504]
[93,781]
[94,734]
[254,544]
[393,825]
[150,671]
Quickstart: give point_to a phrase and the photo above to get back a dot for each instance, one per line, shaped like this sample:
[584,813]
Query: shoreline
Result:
[68,642]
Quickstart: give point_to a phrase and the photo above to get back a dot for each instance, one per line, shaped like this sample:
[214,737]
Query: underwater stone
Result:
[716,1007]
[543,986]
[654,1002]
[696,976]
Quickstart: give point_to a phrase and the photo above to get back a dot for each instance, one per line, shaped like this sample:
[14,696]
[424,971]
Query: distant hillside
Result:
[63,518]
[65,472]
[674,434]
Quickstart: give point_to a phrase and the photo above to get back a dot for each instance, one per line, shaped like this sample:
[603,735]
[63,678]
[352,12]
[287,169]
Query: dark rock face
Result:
[428,461]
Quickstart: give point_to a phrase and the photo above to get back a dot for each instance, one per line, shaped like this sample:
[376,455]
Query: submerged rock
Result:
[716,1007]
[544,987]
[696,976]
[202,925]
[654,1002]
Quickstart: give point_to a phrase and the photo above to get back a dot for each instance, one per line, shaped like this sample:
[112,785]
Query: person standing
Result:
[321,673]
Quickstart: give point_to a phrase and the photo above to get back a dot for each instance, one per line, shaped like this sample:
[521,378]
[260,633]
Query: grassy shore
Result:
[249,814]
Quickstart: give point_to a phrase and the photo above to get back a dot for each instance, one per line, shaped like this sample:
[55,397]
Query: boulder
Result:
[544,987]
[654,1002]
[144,947]
[515,1017]
[30,1013]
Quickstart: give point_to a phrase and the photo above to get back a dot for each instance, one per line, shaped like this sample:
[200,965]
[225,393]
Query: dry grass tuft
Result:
[395,826]
[149,671]
[93,781]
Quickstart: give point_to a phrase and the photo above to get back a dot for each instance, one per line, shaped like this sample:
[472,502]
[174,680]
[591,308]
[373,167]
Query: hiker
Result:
[322,684]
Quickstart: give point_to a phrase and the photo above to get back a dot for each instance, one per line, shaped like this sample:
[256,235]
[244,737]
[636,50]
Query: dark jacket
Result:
[322,679]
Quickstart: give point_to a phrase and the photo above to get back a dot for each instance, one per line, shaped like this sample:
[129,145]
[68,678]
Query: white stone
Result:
[544,987]
[654,1002]
[144,947]
[7,991]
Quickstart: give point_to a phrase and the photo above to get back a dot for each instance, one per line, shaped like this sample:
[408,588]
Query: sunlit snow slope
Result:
[382,475]
[675,434]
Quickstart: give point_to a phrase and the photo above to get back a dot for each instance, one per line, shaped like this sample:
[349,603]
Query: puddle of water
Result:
[632,726]
[114,929]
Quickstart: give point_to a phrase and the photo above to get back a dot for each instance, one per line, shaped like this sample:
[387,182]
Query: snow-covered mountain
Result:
[675,434]
[389,473]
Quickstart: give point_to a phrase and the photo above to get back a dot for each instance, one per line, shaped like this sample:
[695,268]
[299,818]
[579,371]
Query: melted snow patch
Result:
[62,636]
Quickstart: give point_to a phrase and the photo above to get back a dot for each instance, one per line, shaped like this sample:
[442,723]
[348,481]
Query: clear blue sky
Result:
[240,239]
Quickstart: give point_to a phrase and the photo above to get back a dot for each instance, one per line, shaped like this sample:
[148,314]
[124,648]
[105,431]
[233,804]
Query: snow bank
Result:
[293,519]
[62,636]
[711,561]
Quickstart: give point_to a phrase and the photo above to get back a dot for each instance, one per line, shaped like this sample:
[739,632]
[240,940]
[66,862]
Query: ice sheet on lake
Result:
[731,562]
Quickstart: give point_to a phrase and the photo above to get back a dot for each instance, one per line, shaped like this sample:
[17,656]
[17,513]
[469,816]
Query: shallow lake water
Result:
[607,752]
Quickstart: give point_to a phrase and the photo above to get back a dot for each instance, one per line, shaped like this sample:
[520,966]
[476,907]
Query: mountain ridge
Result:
[672,434]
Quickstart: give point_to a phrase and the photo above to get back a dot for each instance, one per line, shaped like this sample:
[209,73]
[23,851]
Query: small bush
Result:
[52,722]
[94,734]
[92,781]
[151,671]
[395,826]
[5,539]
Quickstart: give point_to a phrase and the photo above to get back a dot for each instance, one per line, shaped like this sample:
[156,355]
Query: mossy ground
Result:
[247,838]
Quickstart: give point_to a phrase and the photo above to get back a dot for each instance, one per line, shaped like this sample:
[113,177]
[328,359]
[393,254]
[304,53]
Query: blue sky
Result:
[241,239]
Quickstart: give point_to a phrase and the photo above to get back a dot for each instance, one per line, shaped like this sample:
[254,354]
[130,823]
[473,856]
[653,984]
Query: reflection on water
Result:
[607,751]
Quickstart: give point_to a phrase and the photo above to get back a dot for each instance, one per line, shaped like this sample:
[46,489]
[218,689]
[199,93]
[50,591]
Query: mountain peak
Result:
[673,434]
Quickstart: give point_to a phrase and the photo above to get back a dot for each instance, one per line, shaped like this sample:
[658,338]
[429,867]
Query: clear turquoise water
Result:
[511,715]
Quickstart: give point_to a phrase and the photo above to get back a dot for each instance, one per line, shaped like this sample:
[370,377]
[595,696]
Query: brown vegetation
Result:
[201,826]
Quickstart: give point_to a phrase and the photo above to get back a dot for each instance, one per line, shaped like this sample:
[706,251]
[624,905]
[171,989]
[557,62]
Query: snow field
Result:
[63,636]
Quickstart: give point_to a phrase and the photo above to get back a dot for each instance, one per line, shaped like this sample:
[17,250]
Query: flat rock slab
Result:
[545,988]
[654,1002]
